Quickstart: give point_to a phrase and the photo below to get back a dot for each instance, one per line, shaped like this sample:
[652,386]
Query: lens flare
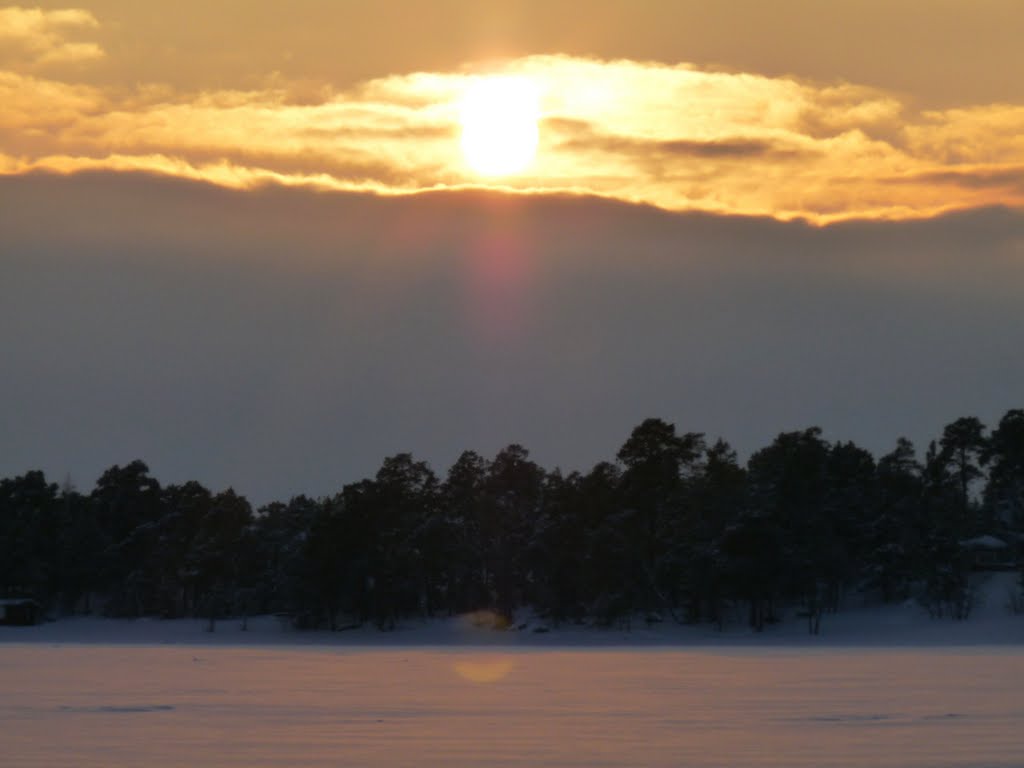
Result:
[484,670]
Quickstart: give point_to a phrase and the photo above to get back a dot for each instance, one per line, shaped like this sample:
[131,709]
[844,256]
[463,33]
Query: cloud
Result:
[1009,180]
[580,136]
[981,134]
[32,37]
[285,341]
[676,137]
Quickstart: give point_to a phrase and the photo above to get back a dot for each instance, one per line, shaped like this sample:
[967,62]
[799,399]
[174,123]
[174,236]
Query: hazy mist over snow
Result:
[285,341]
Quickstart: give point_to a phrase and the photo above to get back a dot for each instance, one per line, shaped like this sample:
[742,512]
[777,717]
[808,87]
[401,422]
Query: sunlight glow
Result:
[673,136]
[499,116]
[484,670]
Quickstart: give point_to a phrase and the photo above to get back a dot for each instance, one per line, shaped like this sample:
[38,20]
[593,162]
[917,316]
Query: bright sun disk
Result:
[499,116]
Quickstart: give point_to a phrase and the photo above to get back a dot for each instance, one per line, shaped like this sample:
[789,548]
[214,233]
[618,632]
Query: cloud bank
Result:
[677,137]
[285,340]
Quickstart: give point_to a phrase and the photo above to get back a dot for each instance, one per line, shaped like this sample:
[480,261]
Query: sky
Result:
[246,241]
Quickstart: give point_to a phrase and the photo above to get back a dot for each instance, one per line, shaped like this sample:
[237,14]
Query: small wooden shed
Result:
[19,611]
[989,553]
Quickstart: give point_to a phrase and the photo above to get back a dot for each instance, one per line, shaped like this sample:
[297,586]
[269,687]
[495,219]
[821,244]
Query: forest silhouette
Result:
[675,529]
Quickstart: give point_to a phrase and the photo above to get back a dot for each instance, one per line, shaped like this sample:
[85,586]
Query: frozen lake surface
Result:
[156,706]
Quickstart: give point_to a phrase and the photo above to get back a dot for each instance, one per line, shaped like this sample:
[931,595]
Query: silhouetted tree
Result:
[961,448]
[215,554]
[717,500]
[464,503]
[788,492]
[898,531]
[557,551]
[513,498]
[1003,454]
[128,504]
[406,495]
[29,515]
[185,507]
[658,464]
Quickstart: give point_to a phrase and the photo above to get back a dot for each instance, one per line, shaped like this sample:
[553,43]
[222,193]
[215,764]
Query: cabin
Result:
[989,553]
[19,612]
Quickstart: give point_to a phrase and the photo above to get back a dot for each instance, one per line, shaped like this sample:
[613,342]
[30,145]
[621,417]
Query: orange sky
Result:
[825,111]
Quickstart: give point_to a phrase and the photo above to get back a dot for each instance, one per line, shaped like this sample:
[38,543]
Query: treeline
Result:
[675,528]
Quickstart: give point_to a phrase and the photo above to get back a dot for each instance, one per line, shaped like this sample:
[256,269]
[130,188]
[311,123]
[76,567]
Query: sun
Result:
[499,116]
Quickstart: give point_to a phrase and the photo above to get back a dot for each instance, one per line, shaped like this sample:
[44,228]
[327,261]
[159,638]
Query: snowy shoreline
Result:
[907,624]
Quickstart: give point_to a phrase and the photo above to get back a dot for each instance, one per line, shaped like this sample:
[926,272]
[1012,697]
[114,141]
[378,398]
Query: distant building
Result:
[989,553]
[19,611]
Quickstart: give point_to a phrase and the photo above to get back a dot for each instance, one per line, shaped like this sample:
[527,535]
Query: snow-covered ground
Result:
[991,623]
[879,687]
[114,706]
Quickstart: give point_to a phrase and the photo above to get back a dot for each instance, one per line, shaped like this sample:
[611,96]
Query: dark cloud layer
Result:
[284,341]
[581,135]
[1009,179]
